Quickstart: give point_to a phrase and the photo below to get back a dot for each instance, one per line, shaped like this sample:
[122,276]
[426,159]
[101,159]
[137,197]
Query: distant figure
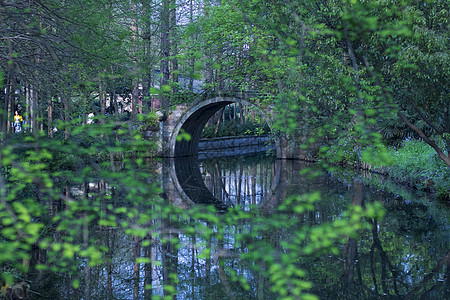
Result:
[90,118]
[17,122]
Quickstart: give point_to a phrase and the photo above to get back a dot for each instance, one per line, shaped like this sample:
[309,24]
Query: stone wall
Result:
[230,146]
[233,142]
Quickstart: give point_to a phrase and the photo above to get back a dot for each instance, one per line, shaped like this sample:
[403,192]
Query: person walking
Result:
[17,122]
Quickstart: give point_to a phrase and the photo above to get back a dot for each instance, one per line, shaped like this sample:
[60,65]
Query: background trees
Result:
[344,76]
[54,51]
[319,62]
[364,70]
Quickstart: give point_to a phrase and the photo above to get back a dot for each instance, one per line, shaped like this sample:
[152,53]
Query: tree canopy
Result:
[347,80]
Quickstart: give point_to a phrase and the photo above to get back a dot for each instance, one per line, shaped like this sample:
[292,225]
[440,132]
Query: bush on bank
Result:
[416,163]
[413,162]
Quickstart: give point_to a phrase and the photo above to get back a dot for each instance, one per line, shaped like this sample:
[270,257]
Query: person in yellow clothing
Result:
[17,122]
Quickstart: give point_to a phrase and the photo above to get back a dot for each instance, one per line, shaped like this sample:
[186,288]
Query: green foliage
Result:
[349,66]
[335,72]
[416,163]
[342,151]
[182,135]
[413,162]
[101,178]
[37,170]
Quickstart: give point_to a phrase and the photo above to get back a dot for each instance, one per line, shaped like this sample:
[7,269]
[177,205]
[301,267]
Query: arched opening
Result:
[193,122]
[184,168]
[194,126]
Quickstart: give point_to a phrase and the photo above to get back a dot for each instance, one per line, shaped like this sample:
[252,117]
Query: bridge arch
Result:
[185,186]
[193,119]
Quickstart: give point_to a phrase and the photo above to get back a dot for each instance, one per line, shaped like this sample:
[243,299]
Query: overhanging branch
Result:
[429,141]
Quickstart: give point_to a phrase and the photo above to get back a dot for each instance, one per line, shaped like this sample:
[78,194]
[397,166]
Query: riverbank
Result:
[413,163]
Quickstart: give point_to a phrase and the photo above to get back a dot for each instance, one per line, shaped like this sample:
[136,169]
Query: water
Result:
[405,254]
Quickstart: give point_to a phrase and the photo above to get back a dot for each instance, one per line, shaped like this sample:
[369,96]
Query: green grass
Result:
[416,163]
[413,162]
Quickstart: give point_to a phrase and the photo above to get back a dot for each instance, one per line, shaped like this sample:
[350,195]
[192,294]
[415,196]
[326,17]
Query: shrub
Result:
[417,163]
[414,162]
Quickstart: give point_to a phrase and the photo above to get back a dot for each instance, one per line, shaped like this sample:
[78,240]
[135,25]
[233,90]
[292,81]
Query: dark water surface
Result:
[404,256]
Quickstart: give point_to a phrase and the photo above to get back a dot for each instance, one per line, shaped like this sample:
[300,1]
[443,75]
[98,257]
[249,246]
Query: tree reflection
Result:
[212,263]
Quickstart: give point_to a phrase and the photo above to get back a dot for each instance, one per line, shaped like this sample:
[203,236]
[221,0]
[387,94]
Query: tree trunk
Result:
[31,108]
[28,103]
[136,266]
[241,113]
[350,248]
[5,124]
[192,60]
[11,103]
[50,117]
[447,128]
[429,141]
[102,99]
[148,278]
[66,116]
[165,53]
[174,45]
[135,81]
[219,117]
[134,99]
[39,124]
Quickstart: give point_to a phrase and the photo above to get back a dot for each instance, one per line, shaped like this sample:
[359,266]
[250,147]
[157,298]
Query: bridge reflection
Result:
[191,181]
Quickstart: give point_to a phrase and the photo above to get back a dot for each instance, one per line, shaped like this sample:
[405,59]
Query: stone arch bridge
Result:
[182,179]
[192,118]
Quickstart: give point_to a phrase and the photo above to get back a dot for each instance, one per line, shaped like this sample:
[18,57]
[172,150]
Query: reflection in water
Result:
[218,181]
[406,254]
[190,179]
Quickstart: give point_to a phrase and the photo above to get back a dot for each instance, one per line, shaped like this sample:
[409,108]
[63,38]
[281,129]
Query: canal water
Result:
[404,255]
